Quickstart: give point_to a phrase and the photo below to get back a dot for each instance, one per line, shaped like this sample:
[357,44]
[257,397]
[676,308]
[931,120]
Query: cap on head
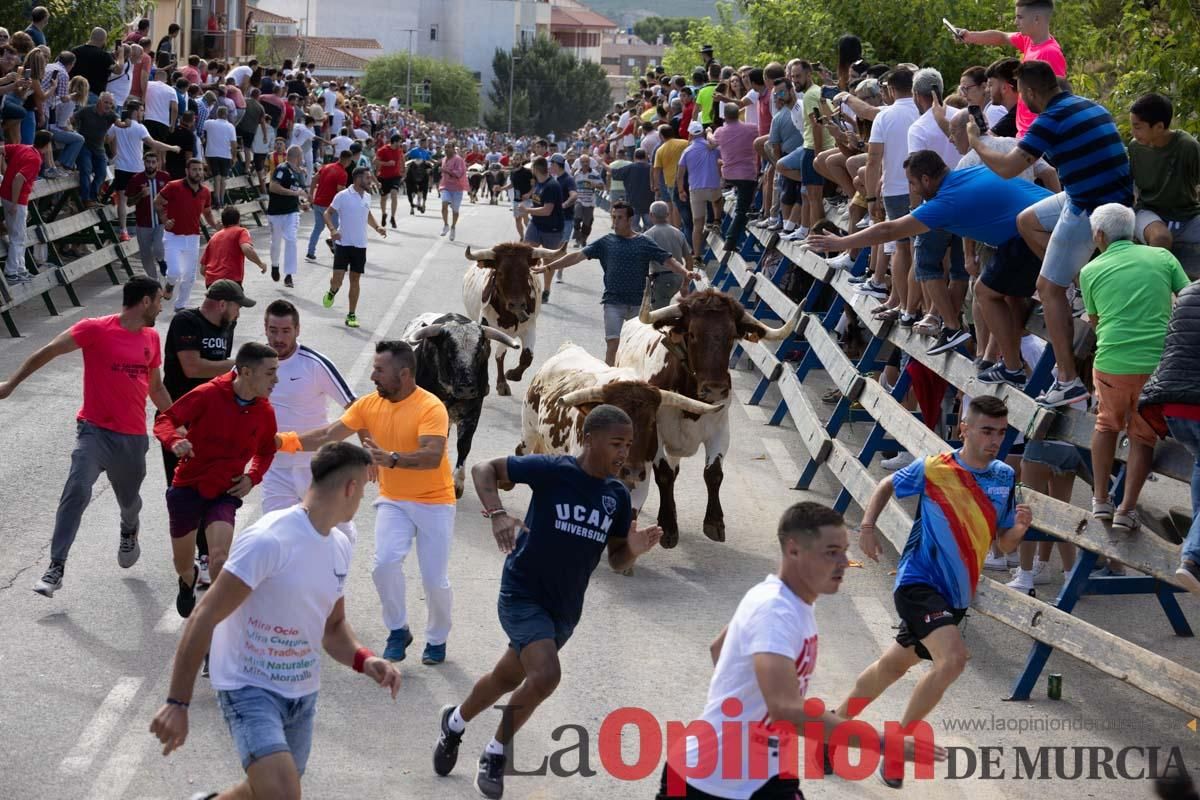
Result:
[696,128]
[228,290]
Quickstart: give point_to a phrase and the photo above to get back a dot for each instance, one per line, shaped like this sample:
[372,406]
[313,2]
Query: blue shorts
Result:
[793,160]
[264,723]
[548,239]
[930,251]
[453,199]
[1060,457]
[526,622]
[809,169]
[896,206]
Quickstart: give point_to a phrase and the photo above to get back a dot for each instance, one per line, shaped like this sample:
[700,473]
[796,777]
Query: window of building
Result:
[433,33]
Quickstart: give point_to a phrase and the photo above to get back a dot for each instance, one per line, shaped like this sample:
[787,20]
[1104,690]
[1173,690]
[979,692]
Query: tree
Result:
[71,21]
[650,28]
[552,89]
[454,94]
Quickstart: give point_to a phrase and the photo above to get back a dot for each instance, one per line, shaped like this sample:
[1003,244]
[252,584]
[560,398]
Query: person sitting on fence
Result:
[92,123]
[1127,291]
[1166,176]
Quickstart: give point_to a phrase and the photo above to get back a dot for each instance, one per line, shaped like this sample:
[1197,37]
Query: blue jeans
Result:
[93,169]
[71,143]
[318,228]
[28,127]
[685,214]
[1187,433]
[264,723]
[930,248]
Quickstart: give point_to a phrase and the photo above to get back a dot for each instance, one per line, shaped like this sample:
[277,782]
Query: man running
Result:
[141,191]
[226,423]
[332,178]
[520,180]
[308,382]
[579,509]
[286,571]
[406,429]
[347,217]
[181,204]
[968,501]
[389,165]
[764,660]
[120,370]
[453,184]
[287,198]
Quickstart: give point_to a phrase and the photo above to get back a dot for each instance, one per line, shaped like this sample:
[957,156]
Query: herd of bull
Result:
[671,376]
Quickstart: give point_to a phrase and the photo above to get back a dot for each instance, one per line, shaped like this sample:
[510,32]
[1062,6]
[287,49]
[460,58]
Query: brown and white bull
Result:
[685,348]
[503,292]
[570,384]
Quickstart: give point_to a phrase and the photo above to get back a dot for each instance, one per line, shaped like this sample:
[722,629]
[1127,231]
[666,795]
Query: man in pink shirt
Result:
[121,360]
[739,167]
[454,183]
[1032,39]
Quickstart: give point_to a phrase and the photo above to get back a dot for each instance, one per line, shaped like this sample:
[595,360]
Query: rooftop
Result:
[569,18]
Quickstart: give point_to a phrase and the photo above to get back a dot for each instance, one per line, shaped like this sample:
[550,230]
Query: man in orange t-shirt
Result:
[405,429]
[227,251]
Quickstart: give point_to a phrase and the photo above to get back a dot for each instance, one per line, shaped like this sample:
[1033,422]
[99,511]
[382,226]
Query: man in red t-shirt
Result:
[141,191]
[331,179]
[389,166]
[181,204]
[20,164]
[226,253]
[121,359]
[227,445]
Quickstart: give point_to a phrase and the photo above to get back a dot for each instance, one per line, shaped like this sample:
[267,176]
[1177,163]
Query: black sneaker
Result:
[51,581]
[546,296]
[204,668]
[948,340]
[998,374]
[489,780]
[445,754]
[393,222]
[185,600]
[891,783]
[287,281]
[275,274]
[310,256]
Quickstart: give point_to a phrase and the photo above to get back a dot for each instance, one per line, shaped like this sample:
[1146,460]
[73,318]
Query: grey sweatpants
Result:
[123,457]
[150,248]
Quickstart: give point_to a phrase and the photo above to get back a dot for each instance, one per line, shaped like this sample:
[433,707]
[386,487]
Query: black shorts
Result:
[260,160]
[922,610]
[775,789]
[389,185]
[791,191]
[220,166]
[246,139]
[121,179]
[1013,270]
[354,258]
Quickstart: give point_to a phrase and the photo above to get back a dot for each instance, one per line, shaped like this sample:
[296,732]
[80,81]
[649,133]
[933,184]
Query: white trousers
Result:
[183,259]
[284,487]
[283,230]
[397,524]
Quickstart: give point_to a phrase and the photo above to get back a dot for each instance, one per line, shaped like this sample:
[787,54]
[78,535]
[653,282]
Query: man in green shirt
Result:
[1127,291]
[704,95]
[1166,175]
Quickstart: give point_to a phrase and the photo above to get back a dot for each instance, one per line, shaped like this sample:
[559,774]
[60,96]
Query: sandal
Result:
[887,314]
[930,325]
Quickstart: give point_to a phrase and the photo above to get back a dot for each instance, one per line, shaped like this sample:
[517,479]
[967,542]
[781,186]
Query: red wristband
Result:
[360,657]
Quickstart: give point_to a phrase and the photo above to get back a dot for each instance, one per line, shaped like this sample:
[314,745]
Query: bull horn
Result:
[427,332]
[482,255]
[644,311]
[579,397]
[497,335]
[687,404]
[773,334]
[664,314]
[543,252]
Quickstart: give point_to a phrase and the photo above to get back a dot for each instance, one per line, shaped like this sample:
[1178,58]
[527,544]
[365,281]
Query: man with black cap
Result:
[706,56]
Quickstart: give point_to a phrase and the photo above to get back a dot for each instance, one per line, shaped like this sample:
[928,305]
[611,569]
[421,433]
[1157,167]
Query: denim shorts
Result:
[548,239]
[930,250]
[615,315]
[453,199]
[1061,457]
[896,207]
[526,622]
[793,160]
[808,169]
[1071,244]
[263,723]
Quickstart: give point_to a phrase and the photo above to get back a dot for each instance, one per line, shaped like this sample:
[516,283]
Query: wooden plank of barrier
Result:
[774,297]
[62,228]
[815,438]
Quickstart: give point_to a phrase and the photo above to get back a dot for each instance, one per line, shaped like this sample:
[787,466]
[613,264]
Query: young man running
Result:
[227,423]
[764,659]
[120,370]
[968,501]
[348,217]
[180,205]
[270,700]
[389,164]
[579,509]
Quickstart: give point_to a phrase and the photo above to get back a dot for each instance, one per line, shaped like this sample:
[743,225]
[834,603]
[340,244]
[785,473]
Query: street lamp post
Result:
[408,81]
[512,64]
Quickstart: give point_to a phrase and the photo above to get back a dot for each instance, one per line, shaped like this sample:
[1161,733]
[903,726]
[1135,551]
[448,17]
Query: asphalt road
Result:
[82,674]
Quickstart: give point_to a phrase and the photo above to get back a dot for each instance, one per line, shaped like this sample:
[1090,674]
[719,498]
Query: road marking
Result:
[787,468]
[102,724]
[754,412]
[117,774]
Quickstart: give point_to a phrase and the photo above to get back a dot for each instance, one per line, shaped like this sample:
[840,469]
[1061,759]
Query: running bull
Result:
[573,382]
[685,348]
[416,183]
[503,292]
[452,363]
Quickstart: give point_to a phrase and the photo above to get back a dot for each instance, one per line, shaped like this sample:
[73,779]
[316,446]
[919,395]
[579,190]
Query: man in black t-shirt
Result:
[183,137]
[285,195]
[579,510]
[94,62]
[520,180]
[199,347]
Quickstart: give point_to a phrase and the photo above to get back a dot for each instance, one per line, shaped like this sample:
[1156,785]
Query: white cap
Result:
[696,128]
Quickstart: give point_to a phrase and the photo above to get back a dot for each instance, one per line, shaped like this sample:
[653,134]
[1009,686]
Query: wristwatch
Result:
[395,458]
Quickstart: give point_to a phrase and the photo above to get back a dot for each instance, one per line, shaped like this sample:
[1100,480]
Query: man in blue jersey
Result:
[978,204]
[1082,141]
[420,152]
[968,500]
[578,511]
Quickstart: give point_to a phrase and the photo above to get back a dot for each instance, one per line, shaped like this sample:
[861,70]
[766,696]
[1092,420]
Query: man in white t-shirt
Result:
[220,143]
[162,107]
[764,660]
[129,141]
[241,76]
[348,217]
[265,645]
[308,383]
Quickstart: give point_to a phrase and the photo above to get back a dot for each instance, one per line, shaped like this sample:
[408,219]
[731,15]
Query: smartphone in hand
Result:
[953,30]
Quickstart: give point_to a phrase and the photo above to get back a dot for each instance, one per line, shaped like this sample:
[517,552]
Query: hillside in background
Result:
[613,9]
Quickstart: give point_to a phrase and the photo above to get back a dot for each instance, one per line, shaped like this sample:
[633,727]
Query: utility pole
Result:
[512,69]
[408,82]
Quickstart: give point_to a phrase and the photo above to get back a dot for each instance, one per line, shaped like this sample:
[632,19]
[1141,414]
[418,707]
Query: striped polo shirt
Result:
[1080,138]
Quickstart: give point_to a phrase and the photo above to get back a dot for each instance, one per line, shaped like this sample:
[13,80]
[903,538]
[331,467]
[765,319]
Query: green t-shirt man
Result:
[812,102]
[1168,178]
[1128,289]
[704,102]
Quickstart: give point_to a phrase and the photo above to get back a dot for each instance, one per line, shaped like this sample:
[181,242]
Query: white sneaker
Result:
[844,261]
[445,230]
[1001,561]
[863,224]
[897,462]
[1023,582]
[452,234]
[1041,573]
[794,236]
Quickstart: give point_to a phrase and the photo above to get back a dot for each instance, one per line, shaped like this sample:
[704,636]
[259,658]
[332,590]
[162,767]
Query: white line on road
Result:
[102,724]
[787,468]
[755,413]
[122,765]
